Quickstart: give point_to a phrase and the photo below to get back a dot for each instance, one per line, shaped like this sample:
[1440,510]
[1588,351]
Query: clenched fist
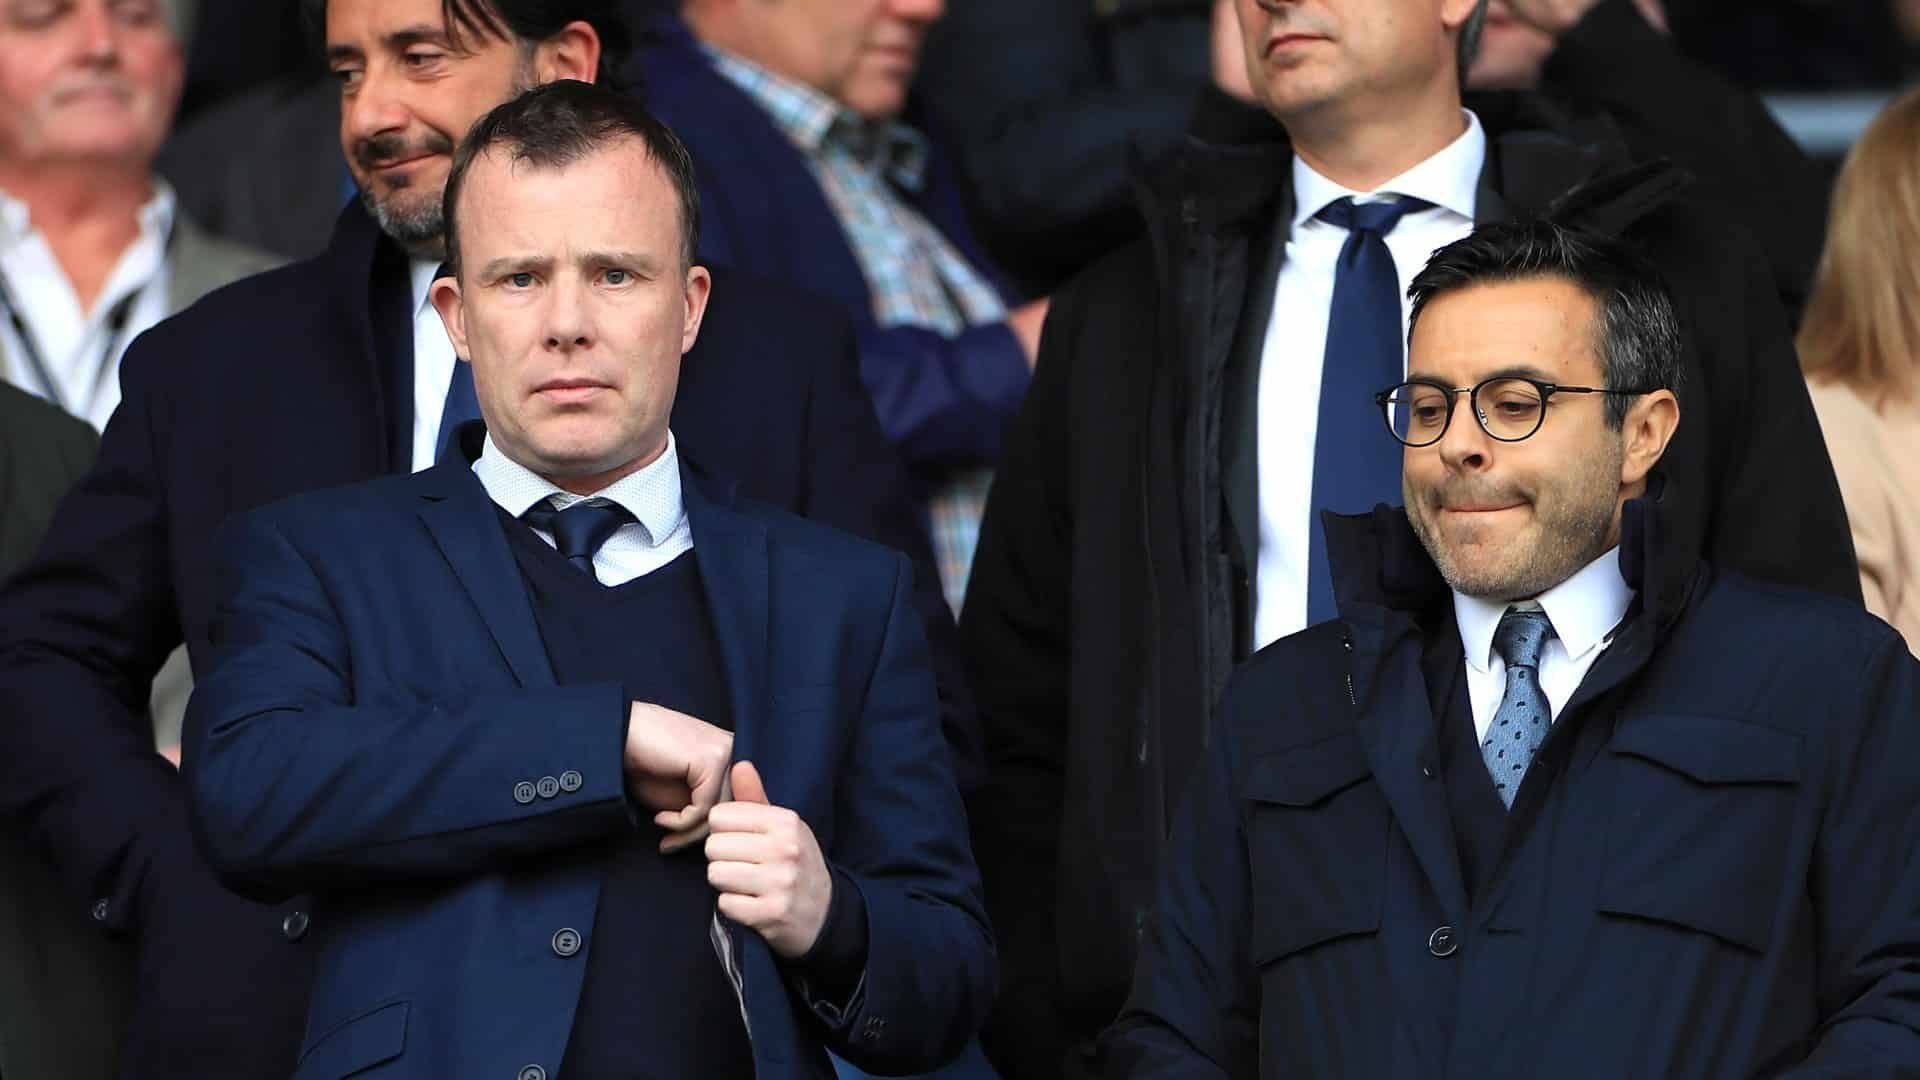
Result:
[767,867]
[676,765]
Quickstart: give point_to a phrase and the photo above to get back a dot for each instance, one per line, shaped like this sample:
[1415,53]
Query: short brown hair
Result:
[1861,327]
[555,125]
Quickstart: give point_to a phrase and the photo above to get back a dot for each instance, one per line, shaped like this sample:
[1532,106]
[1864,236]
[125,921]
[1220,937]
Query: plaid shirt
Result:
[914,274]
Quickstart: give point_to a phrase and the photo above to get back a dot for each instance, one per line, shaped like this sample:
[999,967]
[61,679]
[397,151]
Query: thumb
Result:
[747,786]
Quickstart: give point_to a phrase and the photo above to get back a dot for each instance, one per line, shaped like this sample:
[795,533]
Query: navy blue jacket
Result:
[291,381]
[1709,870]
[945,401]
[381,706]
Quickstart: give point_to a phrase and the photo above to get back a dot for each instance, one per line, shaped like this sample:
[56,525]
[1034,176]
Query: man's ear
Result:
[573,53]
[1648,429]
[698,288]
[1454,13]
[445,296]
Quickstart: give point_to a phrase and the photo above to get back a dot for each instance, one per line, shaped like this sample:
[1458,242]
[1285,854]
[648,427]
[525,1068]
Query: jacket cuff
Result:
[831,976]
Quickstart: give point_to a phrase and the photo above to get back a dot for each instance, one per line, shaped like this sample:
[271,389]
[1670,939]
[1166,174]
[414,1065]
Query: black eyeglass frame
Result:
[1452,394]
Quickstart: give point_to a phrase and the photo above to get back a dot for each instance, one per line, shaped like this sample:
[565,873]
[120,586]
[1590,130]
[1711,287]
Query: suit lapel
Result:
[461,518]
[731,551]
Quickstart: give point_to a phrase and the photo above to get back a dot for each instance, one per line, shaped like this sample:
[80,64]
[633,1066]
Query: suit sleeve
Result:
[1014,630]
[83,629]
[1615,61]
[1194,1003]
[296,785]
[944,400]
[1866,876]
[856,482]
[900,836]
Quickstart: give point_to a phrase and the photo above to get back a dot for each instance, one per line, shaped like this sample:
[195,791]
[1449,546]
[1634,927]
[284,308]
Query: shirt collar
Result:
[816,122]
[1584,609]
[651,494]
[155,215]
[1449,179]
[423,272]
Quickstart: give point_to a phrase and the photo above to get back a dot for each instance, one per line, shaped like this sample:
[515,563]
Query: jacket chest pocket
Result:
[1316,828]
[1704,831]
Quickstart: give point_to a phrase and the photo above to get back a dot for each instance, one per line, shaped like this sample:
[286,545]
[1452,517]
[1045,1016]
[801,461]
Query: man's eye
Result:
[520,281]
[420,59]
[617,277]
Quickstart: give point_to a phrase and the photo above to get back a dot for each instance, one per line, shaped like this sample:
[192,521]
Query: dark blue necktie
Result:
[580,529]
[461,406]
[1355,463]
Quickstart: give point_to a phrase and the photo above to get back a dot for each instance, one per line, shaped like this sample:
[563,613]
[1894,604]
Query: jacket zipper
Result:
[1346,639]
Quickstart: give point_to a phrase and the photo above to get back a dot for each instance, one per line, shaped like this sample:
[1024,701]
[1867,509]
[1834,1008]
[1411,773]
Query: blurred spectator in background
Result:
[1046,101]
[1860,348]
[811,173]
[236,45]
[1804,45]
[55,1002]
[92,252]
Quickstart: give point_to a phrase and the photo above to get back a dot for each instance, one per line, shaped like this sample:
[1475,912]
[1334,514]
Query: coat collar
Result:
[730,548]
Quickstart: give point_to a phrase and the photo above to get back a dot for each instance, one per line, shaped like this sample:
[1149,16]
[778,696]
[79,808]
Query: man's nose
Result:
[375,107]
[99,33]
[569,321]
[1465,445]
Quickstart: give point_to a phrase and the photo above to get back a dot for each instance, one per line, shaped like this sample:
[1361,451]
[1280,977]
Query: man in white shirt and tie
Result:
[1203,396]
[1661,828]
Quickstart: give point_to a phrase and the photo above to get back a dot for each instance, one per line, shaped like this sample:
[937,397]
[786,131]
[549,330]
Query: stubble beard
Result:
[1571,527]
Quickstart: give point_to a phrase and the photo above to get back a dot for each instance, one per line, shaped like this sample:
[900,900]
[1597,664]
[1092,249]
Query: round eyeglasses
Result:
[1509,407]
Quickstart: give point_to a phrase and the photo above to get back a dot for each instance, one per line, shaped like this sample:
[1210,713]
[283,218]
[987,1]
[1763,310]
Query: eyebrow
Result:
[518,264]
[1511,371]
[397,41]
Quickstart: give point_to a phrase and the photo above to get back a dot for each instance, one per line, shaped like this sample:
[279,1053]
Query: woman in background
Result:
[1860,349]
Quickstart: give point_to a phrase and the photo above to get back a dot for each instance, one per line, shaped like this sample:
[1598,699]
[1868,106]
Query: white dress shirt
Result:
[1585,610]
[80,349]
[1288,407]
[658,534]
[433,360]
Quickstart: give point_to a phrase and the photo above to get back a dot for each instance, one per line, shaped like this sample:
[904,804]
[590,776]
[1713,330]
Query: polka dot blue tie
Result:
[1520,724]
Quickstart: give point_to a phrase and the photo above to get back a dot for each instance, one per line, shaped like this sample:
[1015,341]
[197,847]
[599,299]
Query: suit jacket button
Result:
[533,1072]
[523,792]
[566,941]
[294,926]
[570,781]
[1443,942]
[100,910]
[549,787]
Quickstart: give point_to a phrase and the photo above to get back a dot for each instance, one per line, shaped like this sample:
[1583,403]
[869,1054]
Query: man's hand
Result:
[1025,321]
[767,867]
[1556,17]
[676,765]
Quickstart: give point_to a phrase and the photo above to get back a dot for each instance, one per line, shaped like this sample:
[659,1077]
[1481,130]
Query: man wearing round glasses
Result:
[1552,797]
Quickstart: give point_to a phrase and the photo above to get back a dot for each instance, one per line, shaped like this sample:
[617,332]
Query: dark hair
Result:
[1636,332]
[1467,47]
[525,23]
[553,126]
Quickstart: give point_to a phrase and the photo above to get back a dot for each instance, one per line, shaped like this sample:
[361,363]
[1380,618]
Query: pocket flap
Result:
[357,1044]
[1308,775]
[1713,749]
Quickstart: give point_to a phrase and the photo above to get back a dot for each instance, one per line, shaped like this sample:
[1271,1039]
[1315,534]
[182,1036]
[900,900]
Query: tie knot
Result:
[1520,637]
[580,529]
[1373,217]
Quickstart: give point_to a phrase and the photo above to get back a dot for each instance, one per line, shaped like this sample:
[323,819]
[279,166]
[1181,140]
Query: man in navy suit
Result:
[327,372]
[448,704]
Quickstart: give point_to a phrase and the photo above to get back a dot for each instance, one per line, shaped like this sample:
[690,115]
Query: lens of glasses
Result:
[1416,413]
[1509,409]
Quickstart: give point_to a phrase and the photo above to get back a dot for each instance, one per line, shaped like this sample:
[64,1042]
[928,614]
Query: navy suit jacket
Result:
[945,401]
[381,689]
[295,380]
